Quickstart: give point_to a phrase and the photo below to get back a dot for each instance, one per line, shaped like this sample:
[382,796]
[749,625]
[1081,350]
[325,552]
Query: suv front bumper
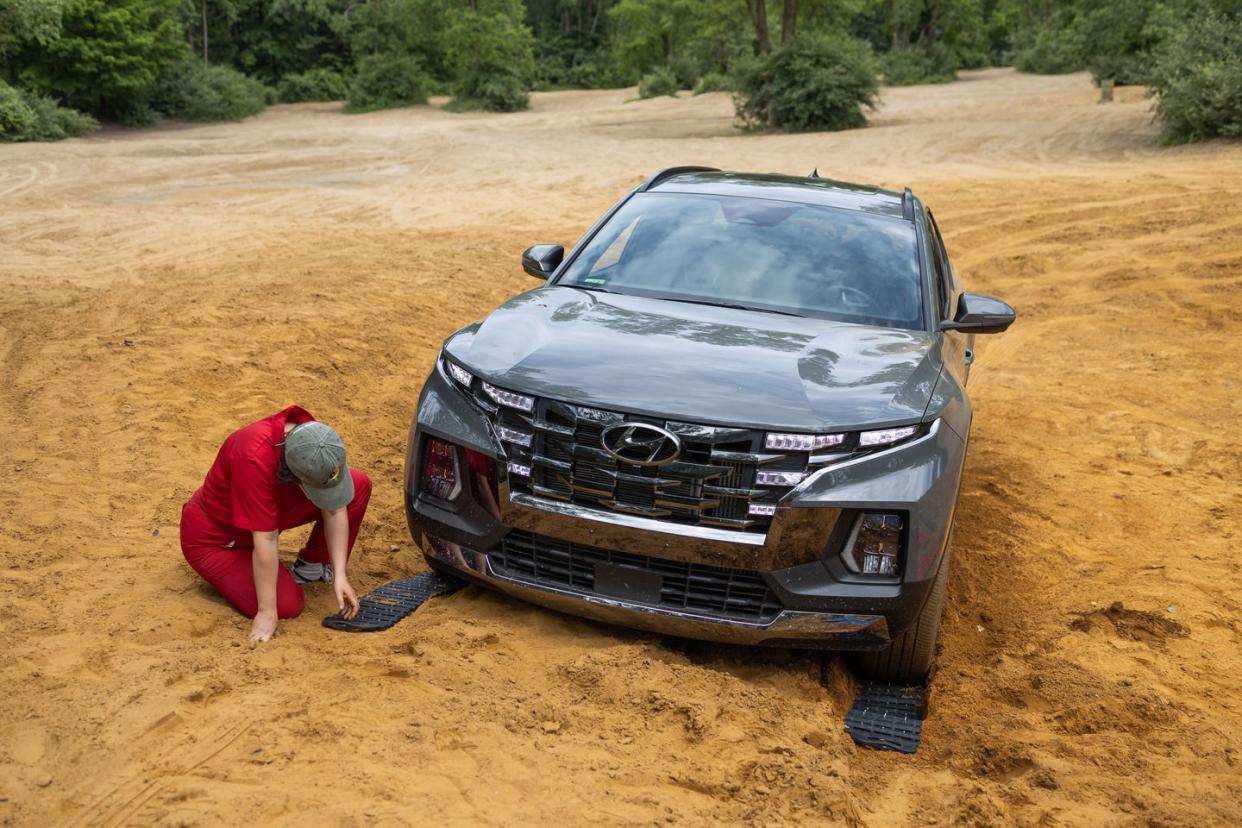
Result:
[818,602]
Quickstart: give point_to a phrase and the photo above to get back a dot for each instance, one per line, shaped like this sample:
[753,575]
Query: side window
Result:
[944,271]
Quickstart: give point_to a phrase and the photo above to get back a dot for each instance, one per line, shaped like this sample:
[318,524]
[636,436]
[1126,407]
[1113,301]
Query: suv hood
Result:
[702,364]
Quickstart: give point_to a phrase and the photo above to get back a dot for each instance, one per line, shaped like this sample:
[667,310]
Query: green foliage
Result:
[1051,52]
[194,91]
[312,85]
[657,83]
[907,67]
[713,82]
[686,70]
[1197,74]
[28,116]
[490,52]
[33,21]
[107,56]
[818,82]
[386,82]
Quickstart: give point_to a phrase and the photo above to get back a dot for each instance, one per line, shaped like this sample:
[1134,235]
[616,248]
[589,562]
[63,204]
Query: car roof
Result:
[818,191]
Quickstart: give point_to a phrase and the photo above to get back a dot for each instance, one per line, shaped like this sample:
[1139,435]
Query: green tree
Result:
[26,21]
[490,53]
[107,56]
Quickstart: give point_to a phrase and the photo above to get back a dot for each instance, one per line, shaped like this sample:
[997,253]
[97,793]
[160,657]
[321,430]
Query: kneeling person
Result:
[286,470]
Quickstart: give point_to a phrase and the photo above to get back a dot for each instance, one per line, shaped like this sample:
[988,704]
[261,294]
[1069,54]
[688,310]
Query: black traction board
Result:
[383,607]
[888,716]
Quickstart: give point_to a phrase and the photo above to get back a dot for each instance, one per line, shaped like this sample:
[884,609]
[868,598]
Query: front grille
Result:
[734,594]
[712,483]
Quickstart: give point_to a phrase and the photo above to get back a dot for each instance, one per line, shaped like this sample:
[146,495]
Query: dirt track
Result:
[314,257]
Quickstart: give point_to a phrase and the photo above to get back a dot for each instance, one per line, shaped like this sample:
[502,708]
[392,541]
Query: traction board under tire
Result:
[383,607]
[888,716]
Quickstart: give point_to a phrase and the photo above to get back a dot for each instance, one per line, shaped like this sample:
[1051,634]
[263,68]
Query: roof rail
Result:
[907,205]
[669,173]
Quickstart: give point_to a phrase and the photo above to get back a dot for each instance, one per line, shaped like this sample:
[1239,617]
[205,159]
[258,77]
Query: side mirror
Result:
[541,260]
[979,314]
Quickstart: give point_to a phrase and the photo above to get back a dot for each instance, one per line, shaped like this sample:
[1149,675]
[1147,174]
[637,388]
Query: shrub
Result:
[312,85]
[1052,51]
[490,52]
[386,81]
[686,71]
[194,91]
[17,119]
[659,81]
[907,67]
[28,116]
[713,82]
[1197,76]
[497,92]
[813,83]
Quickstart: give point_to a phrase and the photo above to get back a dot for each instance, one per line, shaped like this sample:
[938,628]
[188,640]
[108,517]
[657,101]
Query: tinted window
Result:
[771,255]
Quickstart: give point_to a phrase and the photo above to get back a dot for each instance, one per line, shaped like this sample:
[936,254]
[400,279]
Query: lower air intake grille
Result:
[735,594]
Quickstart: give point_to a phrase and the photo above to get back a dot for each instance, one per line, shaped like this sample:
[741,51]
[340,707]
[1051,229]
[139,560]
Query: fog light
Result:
[761,509]
[778,478]
[440,478]
[875,545]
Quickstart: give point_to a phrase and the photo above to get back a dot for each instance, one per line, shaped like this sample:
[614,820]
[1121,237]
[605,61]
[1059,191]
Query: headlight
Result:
[778,478]
[803,442]
[458,373]
[519,401]
[886,436]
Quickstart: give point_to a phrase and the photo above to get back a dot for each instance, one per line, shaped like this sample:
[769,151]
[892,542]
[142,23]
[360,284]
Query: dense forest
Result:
[790,64]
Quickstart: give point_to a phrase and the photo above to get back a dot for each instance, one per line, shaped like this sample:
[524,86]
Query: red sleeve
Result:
[254,496]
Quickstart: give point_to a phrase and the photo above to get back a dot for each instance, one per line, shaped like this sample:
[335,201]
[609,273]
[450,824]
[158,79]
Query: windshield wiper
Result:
[734,306]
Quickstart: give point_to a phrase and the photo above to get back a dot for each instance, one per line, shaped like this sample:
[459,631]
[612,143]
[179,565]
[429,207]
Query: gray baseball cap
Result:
[316,456]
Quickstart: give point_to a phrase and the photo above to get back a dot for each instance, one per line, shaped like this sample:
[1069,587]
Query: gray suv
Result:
[736,410]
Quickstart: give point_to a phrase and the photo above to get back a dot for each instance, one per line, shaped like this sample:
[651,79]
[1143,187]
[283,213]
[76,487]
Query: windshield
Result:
[757,253]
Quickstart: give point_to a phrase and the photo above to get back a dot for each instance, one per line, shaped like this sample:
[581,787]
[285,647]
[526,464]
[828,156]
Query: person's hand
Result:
[346,600]
[263,628]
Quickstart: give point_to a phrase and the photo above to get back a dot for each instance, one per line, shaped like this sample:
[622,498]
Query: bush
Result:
[17,119]
[497,92]
[386,82]
[660,81]
[1197,76]
[686,71]
[907,67]
[194,91]
[312,85]
[490,53]
[1051,52]
[713,82]
[813,83]
[28,116]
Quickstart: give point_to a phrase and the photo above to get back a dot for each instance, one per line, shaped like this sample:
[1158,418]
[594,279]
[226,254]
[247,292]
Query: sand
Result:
[162,287]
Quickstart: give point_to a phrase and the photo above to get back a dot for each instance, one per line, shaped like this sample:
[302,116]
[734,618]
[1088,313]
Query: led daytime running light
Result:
[803,442]
[519,401]
[886,436]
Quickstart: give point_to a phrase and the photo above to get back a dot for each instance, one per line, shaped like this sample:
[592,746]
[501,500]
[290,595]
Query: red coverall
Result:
[241,495]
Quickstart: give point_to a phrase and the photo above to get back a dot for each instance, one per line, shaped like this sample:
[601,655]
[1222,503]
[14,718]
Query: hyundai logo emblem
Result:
[641,444]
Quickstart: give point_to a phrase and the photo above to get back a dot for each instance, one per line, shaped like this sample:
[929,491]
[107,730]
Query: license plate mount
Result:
[628,584]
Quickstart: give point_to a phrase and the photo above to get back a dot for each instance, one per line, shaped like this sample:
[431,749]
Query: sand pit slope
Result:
[162,287]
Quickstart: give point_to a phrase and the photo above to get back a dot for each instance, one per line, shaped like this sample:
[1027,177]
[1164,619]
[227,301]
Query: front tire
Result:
[908,657]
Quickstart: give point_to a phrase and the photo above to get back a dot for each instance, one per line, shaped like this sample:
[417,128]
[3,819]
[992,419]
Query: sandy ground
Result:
[160,288]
